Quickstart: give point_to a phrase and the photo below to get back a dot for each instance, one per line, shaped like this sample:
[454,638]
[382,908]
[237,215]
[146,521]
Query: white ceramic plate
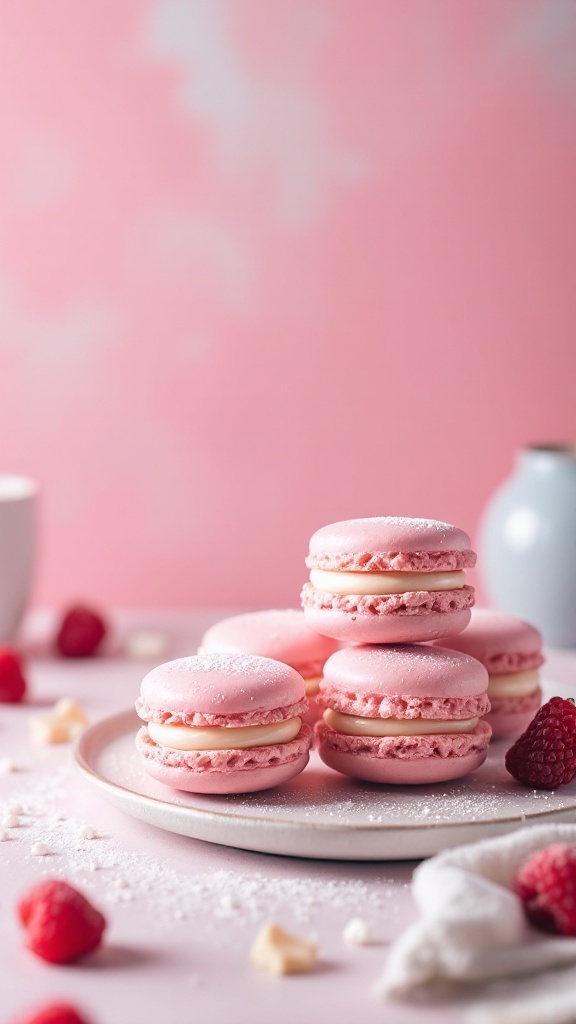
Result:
[322,814]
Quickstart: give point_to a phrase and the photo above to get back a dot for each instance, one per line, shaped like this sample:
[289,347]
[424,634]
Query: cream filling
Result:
[219,737]
[312,685]
[351,725]
[375,583]
[515,684]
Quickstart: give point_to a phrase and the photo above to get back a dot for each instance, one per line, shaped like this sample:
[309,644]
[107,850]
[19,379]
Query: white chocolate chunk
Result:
[64,723]
[276,951]
[218,737]
[374,583]
[10,821]
[515,684]
[352,725]
[358,932]
[146,645]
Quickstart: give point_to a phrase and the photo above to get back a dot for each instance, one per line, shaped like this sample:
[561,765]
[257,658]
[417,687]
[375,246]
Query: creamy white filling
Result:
[218,737]
[351,725]
[330,582]
[515,684]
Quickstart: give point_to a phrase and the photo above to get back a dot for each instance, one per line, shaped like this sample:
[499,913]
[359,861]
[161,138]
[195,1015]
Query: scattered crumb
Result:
[40,850]
[358,932]
[10,821]
[120,883]
[88,832]
[63,724]
[16,809]
[276,951]
[146,645]
[3,837]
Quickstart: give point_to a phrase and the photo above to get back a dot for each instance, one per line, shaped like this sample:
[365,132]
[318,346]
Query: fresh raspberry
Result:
[81,631]
[12,681]
[61,924]
[54,1013]
[546,884]
[544,756]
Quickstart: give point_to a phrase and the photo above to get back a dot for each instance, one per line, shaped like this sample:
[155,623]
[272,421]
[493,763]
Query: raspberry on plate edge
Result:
[544,756]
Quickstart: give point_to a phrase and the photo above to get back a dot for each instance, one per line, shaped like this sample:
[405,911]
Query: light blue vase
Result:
[527,544]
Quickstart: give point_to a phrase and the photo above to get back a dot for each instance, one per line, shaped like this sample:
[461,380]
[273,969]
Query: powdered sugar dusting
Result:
[114,875]
[245,666]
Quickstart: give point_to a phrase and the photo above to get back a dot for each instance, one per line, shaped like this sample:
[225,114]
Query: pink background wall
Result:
[268,265]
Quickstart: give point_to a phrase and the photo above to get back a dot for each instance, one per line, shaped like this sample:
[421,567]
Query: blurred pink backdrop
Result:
[268,265]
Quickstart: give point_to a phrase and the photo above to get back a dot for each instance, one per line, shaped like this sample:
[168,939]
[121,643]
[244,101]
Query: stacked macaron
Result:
[396,713]
[388,580]
[223,723]
[511,651]
[278,633]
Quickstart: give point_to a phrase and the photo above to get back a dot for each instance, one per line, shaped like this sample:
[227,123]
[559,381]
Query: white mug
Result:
[18,497]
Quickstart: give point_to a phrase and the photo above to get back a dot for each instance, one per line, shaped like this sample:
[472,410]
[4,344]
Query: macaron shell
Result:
[404,759]
[403,670]
[221,684]
[350,627]
[282,634]
[250,781]
[503,643]
[390,771]
[512,716]
[382,542]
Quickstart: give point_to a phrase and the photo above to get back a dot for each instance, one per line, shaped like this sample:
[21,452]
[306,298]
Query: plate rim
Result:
[124,721]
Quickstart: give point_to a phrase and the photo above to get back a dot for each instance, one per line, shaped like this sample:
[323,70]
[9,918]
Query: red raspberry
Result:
[61,924]
[545,755]
[54,1013]
[81,631]
[546,884]
[12,681]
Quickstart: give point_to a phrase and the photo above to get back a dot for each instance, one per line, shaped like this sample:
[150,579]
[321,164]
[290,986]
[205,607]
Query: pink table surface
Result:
[181,913]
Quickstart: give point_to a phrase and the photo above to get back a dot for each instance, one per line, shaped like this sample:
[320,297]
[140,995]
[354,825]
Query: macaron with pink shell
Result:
[511,651]
[403,714]
[223,723]
[278,633]
[388,579]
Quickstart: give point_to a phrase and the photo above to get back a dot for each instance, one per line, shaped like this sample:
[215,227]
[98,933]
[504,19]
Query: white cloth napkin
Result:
[472,926]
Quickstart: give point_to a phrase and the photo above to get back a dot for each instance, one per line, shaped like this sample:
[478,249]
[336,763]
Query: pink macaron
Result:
[511,651]
[281,634]
[388,580]
[403,714]
[223,723]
